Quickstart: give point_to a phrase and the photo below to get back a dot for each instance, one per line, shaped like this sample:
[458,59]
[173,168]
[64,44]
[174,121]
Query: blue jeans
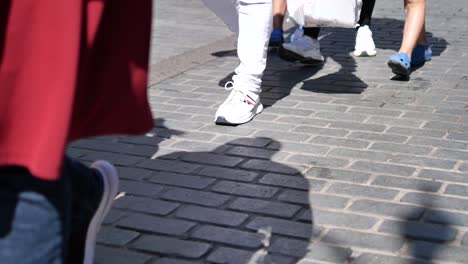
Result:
[46,221]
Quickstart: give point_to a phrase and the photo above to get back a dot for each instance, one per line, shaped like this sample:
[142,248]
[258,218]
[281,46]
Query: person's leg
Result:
[255,21]
[413,33]
[279,11]
[35,218]
[365,45]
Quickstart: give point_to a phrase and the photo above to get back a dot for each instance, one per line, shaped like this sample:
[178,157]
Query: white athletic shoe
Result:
[302,48]
[238,108]
[364,43]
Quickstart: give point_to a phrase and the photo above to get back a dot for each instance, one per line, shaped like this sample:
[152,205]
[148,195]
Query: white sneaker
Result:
[364,43]
[110,180]
[302,48]
[238,108]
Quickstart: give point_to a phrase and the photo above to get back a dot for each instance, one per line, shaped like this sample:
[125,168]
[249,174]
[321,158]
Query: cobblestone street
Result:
[345,165]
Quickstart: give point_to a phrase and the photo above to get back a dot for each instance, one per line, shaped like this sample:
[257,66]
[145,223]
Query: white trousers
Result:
[255,23]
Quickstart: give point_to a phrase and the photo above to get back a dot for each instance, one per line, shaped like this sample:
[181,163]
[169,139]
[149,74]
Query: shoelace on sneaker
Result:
[237,95]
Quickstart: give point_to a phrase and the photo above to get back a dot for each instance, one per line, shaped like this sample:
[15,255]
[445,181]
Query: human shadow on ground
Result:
[241,202]
[338,73]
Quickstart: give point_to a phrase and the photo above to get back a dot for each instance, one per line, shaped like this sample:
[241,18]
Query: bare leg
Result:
[279,11]
[414,25]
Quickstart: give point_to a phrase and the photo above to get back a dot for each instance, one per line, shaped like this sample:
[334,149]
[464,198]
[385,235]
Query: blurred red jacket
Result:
[68,70]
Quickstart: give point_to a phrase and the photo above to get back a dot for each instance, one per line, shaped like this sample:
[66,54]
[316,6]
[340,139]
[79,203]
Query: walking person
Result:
[68,70]
[304,44]
[415,49]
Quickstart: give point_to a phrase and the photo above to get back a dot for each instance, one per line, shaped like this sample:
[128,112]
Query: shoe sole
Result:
[221,120]
[110,181]
[364,53]
[288,55]
[398,68]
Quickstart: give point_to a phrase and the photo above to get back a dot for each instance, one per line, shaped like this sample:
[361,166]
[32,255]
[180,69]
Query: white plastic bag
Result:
[325,13]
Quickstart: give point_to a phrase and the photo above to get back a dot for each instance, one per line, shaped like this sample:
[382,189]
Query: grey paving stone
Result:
[465,239]
[286,136]
[397,210]
[423,161]
[245,189]
[458,135]
[439,143]
[418,230]
[284,227]
[227,173]
[416,132]
[252,152]
[340,142]
[436,201]
[444,176]
[114,158]
[155,224]
[113,216]
[249,142]
[361,154]
[338,219]
[172,261]
[171,246]
[310,250]
[463,167]
[373,111]
[363,240]
[195,197]
[191,146]
[362,191]
[308,121]
[354,117]
[145,205]
[400,122]
[340,175]
[407,183]
[133,173]
[176,179]
[266,165]
[368,258]
[313,199]
[139,188]
[299,147]
[434,251]
[401,148]
[451,154]
[459,190]
[447,218]
[296,182]
[383,168]
[378,137]
[168,165]
[354,126]
[228,236]
[209,215]
[115,236]
[108,255]
[265,207]
[318,161]
[225,255]
[214,159]
[313,130]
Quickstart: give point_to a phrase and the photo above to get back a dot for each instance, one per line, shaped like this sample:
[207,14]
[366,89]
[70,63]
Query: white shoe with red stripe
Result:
[238,108]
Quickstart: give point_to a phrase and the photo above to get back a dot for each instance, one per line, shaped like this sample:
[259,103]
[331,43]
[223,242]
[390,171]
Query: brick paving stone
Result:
[328,218]
[459,190]
[296,182]
[172,261]
[446,218]
[423,161]
[133,173]
[341,142]
[378,137]
[363,240]
[225,255]
[266,165]
[361,154]
[382,259]
[228,236]
[401,148]
[451,154]
[168,165]
[108,255]
[155,224]
[316,251]
[212,159]
[265,207]
[171,246]
[229,174]
[284,227]
[115,236]
[209,215]
[403,211]
[176,179]
[318,161]
[245,189]
[383,168]
[140,188]
[145,205]
[420,231]
[340,175]
[195,197]
[405,183]
[362,191]
[433,251]
[320,200]
[436,201]
[465,239]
